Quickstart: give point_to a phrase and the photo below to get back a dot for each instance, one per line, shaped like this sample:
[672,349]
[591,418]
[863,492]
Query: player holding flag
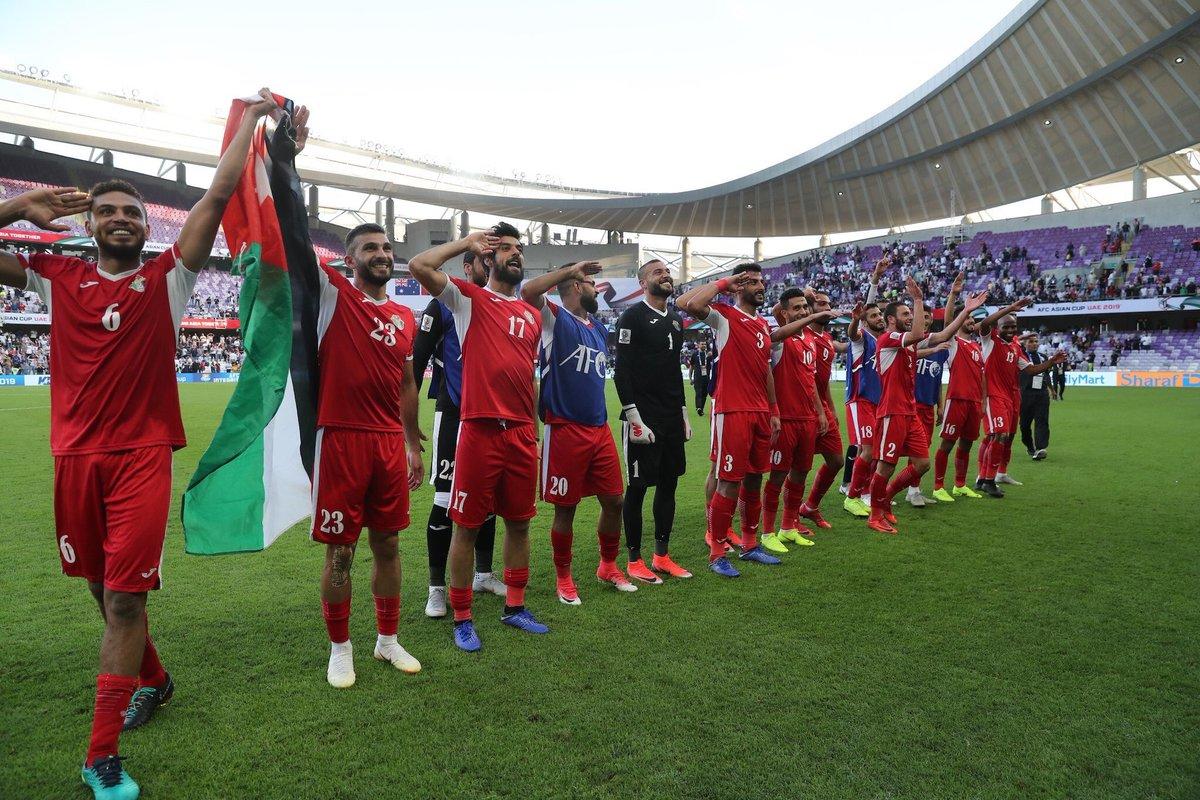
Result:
[579,456]
[499,333]
[745,417]
[114,417]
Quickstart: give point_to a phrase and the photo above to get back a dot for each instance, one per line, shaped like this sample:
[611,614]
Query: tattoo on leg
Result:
[339,574]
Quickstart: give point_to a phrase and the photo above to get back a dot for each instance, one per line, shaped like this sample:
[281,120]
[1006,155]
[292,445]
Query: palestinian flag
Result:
[254,481]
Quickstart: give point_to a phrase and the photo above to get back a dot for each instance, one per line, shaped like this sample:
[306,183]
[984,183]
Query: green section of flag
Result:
[224,502]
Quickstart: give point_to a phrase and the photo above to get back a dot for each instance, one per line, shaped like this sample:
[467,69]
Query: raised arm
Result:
[533,291]
[946,333]
[918,324]
[1038,369]
[41,207]
[876,274]
[200,229]
[696,301]
[426,266]
[794,327]
[429,333]
[987,322]
[856,316]
[955,290]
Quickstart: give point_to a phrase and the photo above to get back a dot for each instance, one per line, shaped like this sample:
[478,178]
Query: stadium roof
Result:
[1058,94]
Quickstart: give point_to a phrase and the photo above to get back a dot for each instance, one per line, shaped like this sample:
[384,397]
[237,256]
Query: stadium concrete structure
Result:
[1057,95]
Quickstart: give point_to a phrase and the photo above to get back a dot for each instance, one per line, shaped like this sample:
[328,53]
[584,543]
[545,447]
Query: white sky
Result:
[657,95]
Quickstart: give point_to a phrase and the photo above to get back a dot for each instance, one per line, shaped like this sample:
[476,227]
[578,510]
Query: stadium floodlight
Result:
[937,165]
[749,205]
[1047,123]
[1178,59]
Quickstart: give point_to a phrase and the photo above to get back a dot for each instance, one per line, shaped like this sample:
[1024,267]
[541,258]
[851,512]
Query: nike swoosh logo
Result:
[87,284]
[439,527]
[150,573]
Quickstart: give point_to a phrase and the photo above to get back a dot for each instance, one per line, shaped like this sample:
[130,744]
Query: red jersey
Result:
[112,351]
[822,345]
[965,362]
[795,376]
[897,371]
[744,350]
[1003,362]
[499,336]
[363,344]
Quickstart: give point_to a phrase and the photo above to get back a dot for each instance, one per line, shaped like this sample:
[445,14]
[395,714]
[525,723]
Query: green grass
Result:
[1046,645]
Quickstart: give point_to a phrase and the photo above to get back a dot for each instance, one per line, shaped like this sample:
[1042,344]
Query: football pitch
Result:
[1046,645]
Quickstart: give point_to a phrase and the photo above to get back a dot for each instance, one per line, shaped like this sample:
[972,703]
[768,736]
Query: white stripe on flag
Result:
[285,483]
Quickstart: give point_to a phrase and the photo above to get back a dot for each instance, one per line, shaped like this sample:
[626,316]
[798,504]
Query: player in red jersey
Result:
[829,444]
[114,417]
[499,333]
[745,416]
[368,453]
[899,432]
[802,418]
[962,408]
[1003,359]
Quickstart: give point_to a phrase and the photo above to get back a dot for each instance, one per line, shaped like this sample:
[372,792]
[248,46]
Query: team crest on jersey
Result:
[138,284]
[624,336]
[399,323]
[529,316]
[675,323]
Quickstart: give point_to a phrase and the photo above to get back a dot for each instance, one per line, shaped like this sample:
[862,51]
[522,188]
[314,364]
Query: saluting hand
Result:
[43,206]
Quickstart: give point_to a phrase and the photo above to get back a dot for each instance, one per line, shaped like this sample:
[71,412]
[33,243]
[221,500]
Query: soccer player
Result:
[649,385]
[900,434]
[437,341]
[368,452]
[1003,360]
[961,412]
[114,417]
[829,445]
[499,334]
[862,397]
[579,456]
[801,415]
[746,417]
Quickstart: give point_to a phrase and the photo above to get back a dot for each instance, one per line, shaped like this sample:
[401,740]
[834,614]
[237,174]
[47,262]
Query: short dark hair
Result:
[115,185]
[789,295]
[870,305]
[642,269]
[506,229]
[749,266]
[361,230]
[891,308]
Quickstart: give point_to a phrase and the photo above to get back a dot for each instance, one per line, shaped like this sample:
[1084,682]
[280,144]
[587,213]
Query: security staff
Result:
[1035,404]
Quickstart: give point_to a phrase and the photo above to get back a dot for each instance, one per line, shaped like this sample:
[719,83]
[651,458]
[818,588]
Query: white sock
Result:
[337,648]
[384,641]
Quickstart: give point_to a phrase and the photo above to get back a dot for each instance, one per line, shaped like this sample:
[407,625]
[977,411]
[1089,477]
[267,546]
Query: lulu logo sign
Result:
[1183,380]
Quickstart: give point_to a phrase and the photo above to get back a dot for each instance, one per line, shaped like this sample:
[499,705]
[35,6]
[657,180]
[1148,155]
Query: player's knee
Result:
[124,608]
[385,545]
[921,464]
[612,503]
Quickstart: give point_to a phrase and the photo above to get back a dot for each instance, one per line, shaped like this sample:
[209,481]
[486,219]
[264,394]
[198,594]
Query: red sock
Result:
[878,492]
[722,518]
[907,477]
[387,615]
[985,460]
[860,477]
[825,478]
[560,543]
[708,516]
[151,672]
[770,506]
[460,601]
[939,467]
[793,496]
[610,545]
[337,620]
[995,456]
[751,503]
[1005,455]
[112,698]
[962,458]
[516,580]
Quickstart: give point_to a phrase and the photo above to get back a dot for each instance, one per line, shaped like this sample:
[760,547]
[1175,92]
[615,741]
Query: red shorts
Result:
[495,472]
[110,516]
[901,435]
[961,419]
[579,461]
[925,416]
[860,422]
[742,440]
[831,442]
[794,447]
[360,480]
[999,416]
